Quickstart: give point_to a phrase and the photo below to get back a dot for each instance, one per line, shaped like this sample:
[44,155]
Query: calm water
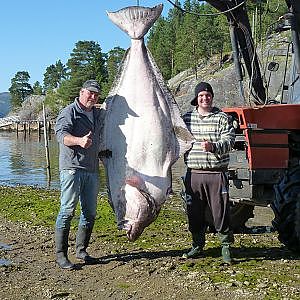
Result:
[23,162]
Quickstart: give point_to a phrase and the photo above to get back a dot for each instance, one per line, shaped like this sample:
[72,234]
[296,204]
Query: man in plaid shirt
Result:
[207,161]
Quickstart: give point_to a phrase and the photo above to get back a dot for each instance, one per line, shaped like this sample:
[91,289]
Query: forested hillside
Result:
[192,36]
[186,37]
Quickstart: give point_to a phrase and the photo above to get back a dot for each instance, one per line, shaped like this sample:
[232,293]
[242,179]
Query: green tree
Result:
[157,46]
[37,89]
[54,75]
[63,83]
[213,30]
[221,43]
[263,14]
[68,91]
[113,62]
[53,102]
[190,44]
[86,62]
[175,19]
[162,41]
[20,88]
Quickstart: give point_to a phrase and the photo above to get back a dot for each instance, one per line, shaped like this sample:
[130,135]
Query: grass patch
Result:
[37,206]
[123,286]
[28,204]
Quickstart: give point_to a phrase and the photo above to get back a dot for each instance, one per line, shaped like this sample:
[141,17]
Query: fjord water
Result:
[23,162]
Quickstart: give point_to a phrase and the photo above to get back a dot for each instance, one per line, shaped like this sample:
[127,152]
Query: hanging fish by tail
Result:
[143,129]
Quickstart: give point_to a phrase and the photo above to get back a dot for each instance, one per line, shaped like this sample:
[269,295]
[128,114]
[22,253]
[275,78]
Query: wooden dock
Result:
[8,121]
[14,123]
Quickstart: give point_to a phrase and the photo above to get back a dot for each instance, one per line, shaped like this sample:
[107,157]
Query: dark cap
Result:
[201,86]
[92,85]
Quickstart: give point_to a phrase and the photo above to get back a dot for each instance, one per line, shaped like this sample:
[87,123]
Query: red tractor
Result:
[265,163]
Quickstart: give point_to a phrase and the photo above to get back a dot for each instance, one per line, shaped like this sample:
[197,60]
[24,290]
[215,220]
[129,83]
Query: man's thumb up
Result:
[87,140]
[89,135]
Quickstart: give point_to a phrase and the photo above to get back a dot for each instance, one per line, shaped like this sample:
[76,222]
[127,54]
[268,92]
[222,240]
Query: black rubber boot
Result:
[197,246]
[61,242]
[226,239]
[82,241]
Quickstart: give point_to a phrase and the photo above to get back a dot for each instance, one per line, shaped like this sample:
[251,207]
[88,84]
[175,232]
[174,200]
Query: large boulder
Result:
[32,108]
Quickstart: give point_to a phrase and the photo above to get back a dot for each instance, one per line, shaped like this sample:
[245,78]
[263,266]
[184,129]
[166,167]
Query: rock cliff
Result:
[223,77]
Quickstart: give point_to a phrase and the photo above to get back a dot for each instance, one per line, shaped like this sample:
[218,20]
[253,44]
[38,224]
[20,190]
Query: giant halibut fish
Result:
[143,129]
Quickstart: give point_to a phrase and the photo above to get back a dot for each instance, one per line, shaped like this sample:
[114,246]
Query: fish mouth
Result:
[138,185]
[147,212]
[133,229]
[134,232]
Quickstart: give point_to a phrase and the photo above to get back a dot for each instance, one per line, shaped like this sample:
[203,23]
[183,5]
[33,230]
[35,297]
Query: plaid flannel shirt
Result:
[215,128]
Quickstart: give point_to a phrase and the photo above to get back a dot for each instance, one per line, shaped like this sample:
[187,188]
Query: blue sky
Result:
[36,33]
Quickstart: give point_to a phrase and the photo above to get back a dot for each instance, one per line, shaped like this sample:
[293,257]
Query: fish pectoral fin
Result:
[183,134]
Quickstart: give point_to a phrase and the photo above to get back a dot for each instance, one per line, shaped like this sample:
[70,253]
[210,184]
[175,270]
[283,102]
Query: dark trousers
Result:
[207,189]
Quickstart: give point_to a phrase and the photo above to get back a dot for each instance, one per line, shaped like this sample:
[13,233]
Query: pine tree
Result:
[113,62]
[189,43]
[175,19]
[86,62]
[37,88]
[20,88]
[263,16]
[158,46]
[54,75]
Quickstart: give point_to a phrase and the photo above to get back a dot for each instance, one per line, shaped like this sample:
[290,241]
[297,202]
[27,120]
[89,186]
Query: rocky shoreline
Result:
[150,268]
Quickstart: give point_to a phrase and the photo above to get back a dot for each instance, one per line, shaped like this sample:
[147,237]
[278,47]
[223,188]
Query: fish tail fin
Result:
[136,20]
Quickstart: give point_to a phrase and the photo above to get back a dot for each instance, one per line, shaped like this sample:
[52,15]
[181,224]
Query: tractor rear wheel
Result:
[286,207]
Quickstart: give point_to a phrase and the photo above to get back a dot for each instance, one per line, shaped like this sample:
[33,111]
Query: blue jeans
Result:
[77,185]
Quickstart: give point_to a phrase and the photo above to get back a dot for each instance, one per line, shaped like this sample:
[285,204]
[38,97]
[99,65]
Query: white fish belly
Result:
[139,132]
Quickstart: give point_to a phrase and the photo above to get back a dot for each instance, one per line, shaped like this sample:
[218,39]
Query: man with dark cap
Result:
[78,131]
[207,161]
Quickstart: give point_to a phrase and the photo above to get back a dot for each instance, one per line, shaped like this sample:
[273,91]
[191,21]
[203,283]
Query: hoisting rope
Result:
[206,15]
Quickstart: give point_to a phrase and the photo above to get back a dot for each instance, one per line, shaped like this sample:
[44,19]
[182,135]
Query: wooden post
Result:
[24,129]
[46,145]
[49,128]
[39,128]
[17,128]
